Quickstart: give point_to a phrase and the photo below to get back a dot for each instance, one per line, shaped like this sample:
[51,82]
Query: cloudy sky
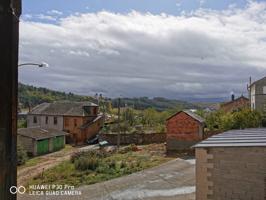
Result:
[182,49]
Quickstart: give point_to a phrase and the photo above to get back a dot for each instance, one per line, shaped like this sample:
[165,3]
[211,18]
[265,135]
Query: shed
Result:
[38,141]
[184,129]
[232,165]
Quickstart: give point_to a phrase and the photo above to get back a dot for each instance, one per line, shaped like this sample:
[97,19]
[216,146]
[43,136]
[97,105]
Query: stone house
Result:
[235,104]
[232,165]
[184,129]
[80,119]
[38,141]
[257,92]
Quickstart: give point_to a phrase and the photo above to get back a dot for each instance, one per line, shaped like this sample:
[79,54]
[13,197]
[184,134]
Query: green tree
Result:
[21,155]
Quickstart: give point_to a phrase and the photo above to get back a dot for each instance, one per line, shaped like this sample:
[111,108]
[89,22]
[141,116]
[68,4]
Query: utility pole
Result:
[249,92]
[10,11]
[119,127]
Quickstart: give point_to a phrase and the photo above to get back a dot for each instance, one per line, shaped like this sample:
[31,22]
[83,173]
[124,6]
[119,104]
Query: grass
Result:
[89,168]
[31,162]
[36,160]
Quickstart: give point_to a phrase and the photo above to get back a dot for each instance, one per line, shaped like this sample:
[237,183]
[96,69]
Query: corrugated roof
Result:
[66,108]
[40,133]
[191,114]
[236,138]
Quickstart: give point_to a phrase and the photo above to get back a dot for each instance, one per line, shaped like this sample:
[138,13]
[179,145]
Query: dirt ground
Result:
[45,162]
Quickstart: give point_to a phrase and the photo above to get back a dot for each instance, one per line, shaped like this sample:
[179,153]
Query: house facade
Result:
[70,117]
[184,129]
[235,104]
[257,92]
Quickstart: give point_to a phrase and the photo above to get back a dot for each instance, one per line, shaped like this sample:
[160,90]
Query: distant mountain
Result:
[158,103]
[30,96]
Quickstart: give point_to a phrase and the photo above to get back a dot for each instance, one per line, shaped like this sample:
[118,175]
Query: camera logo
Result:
[14,190]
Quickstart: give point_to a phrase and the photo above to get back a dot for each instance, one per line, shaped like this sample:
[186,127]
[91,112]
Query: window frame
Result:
[55,121]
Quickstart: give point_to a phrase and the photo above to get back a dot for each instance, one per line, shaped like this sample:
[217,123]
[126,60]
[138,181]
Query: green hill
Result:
[158,103]
[32,96]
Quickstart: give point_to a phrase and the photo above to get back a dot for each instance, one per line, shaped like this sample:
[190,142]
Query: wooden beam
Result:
[10,11]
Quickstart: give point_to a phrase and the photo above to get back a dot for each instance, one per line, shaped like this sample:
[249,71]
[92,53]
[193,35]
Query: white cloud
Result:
[46,17]
[204,54]
[202,2]
[54,12]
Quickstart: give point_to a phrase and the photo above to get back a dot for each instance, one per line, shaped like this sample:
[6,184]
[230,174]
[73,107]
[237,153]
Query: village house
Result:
[232,165]
[184,129]
[235,104]
[80,119]
[38,141]
[257,92]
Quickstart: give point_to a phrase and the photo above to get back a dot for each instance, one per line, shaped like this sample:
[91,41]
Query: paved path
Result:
[174,180]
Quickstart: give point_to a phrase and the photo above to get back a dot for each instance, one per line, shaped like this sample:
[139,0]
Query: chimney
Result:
[232,97]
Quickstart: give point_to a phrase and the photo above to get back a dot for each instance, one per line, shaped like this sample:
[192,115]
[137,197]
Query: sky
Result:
[178,49]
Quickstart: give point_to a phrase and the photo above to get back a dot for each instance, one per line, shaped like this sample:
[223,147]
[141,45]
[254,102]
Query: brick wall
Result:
[231,173]
[134,138]
[183,131]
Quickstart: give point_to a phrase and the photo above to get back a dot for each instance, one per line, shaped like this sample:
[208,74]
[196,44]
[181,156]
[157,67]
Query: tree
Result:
[21,155]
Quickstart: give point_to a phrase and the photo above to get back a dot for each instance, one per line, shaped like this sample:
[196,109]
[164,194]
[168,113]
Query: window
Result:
[95,110]
[34,119]
[75,122]
[264,89]
[46,120]
[55,120]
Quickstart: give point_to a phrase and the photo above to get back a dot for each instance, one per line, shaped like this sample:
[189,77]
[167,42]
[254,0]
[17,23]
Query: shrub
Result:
[241,119]
[86,163]
[21,155]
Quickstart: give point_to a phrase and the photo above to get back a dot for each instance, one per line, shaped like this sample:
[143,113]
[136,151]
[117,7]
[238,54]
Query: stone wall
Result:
[134,138]
[231,173]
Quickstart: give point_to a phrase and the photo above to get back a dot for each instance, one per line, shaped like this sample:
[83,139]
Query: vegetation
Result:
[157,103]
[21,155]
[22,123]
[139,121]
[32,96]
[92,167]
[241,119]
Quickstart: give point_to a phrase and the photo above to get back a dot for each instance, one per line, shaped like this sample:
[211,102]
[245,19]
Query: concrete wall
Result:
[231,173]
[260,96]
[134,138]
[41,122]
[182,132]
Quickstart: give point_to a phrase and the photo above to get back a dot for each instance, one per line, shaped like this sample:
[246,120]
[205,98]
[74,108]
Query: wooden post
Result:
[10,11]
[119,126]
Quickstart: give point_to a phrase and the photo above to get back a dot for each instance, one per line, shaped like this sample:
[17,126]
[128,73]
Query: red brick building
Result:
[184,129]
[235,104]
[80,119]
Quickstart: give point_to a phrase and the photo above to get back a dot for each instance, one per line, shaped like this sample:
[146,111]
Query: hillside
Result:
[158,103]
[31,95]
